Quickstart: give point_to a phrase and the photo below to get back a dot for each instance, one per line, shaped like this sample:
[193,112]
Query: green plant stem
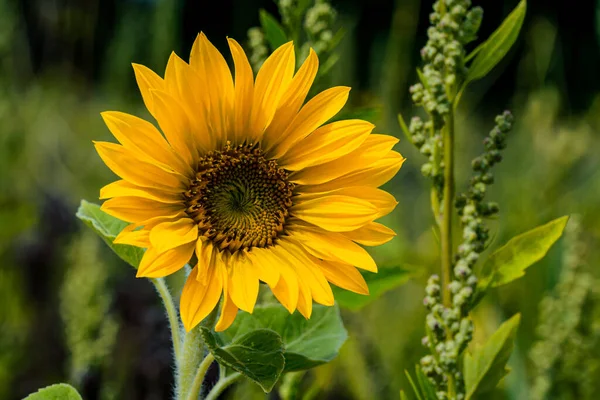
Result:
[446,228]
[448,199]
[221,385]
[194,391]
[165,295]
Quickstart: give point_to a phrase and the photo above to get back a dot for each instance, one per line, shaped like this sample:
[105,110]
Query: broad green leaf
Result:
[257,354]
[383,281]
[108,228]
[274,32]
[307,343]
[511,260]
[486,365]
[498,44]
[60,391]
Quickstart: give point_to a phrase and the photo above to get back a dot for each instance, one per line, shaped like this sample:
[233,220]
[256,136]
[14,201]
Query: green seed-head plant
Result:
[450,370]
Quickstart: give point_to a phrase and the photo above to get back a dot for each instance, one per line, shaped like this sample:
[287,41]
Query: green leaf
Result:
[511,260]
[307,343]
[257,354]
[108,228]
[422,388]
[404,127]
[274,32]
[383,281]
[498,44]
[59,391]
[425,385]
[486,365]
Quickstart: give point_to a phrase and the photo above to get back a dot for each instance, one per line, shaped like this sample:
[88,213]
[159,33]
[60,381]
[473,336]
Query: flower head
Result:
[249,179]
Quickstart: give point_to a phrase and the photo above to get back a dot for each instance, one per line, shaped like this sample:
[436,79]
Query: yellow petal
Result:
[335,213]
[315,113]
[200,296]
[287,288]
[124,188]
[243,281]
[184,84]
[375,175]
[332,246]
[373,149]
[145,141]
[139,238]
[266,265]
[272,82]
[327,143]
[244,91]
[176,125]
[372,234]
[344,276]
[147,80]
[168,235]
[228,314]
[157,265]
[304,300]
[305,266]
[124,163]
[219,90]
[137,209]
[381,199]
[292,100]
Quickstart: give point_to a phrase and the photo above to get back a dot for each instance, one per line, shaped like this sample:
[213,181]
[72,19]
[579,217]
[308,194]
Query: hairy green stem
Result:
[167,299]
[221,385]
[196,387]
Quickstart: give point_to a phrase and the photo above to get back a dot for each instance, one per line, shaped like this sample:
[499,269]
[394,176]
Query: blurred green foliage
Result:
[62,63]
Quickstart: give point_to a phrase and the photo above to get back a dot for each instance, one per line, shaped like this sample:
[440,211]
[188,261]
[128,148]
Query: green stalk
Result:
[196,387]
[446,228]
[167,299]
[221,385]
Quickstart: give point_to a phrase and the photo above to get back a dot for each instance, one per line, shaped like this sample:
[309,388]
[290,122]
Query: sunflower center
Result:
[239,199]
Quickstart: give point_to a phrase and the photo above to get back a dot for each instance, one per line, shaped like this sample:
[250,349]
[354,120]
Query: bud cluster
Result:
[449,328]
[257,46]
[453,24]
[318,24]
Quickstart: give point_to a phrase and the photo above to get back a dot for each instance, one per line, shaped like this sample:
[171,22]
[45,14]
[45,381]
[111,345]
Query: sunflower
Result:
[248,178]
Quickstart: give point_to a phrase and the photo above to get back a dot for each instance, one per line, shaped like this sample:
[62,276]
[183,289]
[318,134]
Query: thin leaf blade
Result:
[274,32]
[486,365]
[498,44]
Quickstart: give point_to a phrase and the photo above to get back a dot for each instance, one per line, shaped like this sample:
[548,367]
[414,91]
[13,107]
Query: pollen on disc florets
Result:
[239,199]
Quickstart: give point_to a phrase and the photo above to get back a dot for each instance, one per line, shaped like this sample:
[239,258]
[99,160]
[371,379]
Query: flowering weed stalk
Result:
[448,371]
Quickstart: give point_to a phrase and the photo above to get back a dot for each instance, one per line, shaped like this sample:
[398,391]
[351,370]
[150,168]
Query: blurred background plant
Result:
[61,63]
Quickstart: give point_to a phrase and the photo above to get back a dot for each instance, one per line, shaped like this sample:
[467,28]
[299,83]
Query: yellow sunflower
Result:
[248,177]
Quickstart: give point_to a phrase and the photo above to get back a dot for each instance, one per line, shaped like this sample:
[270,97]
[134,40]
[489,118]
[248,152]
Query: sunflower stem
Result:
[196,388]
[221,385]
[167,299]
